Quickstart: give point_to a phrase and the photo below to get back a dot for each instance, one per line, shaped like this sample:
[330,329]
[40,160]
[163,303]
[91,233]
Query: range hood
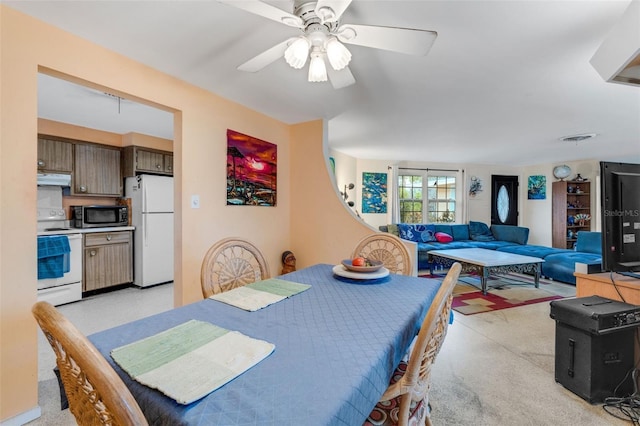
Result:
[617,60]
[54,179]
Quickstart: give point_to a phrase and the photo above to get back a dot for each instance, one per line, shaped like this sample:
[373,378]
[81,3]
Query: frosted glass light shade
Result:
[339,56]
[297,53]
[317,68]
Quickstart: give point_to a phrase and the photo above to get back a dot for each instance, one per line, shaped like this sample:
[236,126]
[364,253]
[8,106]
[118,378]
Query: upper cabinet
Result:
[136,160]
[54,156]
[97,170]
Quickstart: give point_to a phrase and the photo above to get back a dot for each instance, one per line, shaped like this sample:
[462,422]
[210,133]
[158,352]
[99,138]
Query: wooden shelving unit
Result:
[569,199]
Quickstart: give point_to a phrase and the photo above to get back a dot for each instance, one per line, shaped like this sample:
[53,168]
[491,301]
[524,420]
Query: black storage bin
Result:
[593,364]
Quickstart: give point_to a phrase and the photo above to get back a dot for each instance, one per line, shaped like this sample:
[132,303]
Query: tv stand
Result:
[630,274]
[601,285]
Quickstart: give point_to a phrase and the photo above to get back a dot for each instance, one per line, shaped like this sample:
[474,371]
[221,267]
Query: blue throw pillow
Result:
[419,233]
[480,232]
[460,232]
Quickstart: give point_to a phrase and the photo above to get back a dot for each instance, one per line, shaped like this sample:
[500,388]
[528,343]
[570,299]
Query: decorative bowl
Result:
[373,266]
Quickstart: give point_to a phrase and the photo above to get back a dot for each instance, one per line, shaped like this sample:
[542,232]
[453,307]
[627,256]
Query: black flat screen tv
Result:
[620,202]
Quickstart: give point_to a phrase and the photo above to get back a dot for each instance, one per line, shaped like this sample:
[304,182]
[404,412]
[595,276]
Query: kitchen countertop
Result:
[87,230]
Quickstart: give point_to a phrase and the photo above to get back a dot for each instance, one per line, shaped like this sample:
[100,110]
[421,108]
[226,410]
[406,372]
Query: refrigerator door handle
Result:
[144,216]
[146,229]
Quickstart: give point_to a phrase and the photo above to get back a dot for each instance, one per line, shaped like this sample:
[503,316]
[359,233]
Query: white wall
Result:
[534,214]
[346,171]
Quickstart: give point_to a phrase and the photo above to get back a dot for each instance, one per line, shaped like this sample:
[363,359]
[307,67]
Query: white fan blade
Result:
[266,10]
[340,79]
[266,57]
[403,40]
[331,10]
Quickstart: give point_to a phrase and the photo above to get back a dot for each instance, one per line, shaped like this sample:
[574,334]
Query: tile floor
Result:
[495,368]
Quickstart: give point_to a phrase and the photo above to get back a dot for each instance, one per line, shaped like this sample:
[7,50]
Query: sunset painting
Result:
[251,170]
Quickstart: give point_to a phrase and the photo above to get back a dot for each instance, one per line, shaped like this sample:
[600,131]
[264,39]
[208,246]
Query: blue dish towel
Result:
[53,256]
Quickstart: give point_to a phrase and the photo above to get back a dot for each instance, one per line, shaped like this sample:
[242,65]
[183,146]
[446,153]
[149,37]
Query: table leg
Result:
[536,275]
[483,280]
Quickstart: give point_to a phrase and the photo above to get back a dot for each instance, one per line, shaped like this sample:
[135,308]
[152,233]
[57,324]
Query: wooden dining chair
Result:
[231,263]
[388,249]
[96,394]
[406,400]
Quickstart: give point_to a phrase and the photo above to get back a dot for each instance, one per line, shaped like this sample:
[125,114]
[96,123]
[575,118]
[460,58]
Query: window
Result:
[439,205]
[441,199]
[410,194]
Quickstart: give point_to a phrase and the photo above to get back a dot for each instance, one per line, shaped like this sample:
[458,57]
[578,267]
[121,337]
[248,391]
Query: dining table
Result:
[336,345]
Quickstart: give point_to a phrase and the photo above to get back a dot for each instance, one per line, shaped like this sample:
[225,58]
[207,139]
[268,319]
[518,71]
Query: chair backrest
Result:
[231,263]
[96,394]
[416,381]
[388,249]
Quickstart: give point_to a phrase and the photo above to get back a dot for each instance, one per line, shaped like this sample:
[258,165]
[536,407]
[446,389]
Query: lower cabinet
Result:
[108,259]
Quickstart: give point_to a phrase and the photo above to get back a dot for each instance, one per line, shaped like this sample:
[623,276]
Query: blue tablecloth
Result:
[336,346]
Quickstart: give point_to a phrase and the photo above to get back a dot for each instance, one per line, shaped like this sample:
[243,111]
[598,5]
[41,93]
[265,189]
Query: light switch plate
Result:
[195,201]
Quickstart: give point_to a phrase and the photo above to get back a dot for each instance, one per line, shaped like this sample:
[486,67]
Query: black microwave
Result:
[100,216]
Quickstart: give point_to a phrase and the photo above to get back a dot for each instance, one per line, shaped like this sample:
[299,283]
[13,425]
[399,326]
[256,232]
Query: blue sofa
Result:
[558,265]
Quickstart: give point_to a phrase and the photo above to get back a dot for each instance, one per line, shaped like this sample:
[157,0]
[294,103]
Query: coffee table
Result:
[487,262]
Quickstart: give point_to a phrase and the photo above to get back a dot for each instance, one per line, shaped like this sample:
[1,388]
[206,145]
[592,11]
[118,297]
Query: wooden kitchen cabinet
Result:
[136,160]
[54,156]
[168,164]
[97,170]
[108,259]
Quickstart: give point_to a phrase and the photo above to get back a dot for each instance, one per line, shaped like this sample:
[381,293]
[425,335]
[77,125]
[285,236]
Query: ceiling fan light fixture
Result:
[339,56]
[317,68]
[297,53]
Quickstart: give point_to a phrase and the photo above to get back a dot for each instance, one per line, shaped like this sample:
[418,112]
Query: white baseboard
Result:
[23,418]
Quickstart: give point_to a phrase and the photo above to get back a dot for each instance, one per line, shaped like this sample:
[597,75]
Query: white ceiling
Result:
[503,82]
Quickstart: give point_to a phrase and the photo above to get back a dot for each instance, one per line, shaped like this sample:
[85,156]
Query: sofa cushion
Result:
[446,228]
[460,232]
[420,233]
[443,237]
[515,234]
[589,242]
[480,231]
[561,266]
[532,250]
[393,229]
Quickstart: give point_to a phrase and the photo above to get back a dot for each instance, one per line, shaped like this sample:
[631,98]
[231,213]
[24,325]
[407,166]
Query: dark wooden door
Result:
[504,200]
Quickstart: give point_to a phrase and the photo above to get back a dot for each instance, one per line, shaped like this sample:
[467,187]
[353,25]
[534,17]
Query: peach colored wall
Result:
[318,215]
[65,130]
[201,120]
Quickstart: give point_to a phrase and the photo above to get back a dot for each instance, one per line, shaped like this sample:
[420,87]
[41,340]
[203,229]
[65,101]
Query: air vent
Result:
[578,138]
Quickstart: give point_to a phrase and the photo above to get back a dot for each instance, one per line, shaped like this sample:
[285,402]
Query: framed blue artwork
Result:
[374,192]
[537,187]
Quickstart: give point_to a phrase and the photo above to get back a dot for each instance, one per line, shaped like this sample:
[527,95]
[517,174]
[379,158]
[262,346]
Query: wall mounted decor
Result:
[251,170]
[537,188]
[475,186]
[374,192]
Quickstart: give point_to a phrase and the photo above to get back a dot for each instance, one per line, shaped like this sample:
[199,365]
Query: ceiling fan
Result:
[323,36]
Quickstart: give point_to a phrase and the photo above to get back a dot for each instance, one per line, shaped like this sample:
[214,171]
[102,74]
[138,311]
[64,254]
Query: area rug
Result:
[504,292]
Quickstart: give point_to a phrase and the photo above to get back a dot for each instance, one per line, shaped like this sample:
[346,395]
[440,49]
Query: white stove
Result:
[52,217]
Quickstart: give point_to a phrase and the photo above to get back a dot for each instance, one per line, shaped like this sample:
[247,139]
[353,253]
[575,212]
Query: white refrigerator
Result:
[152,215]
